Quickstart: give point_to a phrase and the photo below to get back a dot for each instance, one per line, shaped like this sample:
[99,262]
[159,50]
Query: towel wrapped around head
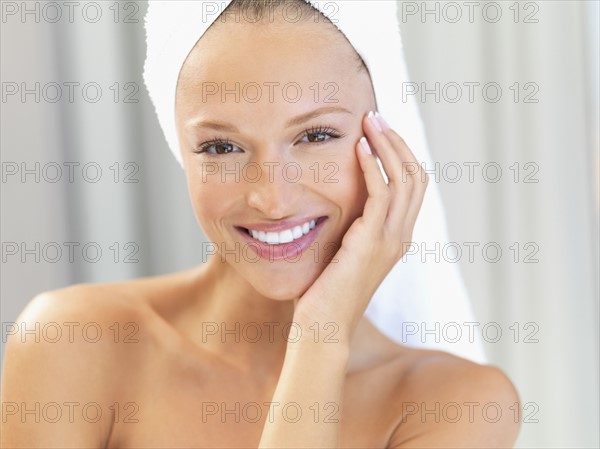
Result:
[418,299]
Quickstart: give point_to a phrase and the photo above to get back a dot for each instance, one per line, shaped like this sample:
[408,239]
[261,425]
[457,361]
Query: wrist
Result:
[309,330]
[311,341]
[319,360]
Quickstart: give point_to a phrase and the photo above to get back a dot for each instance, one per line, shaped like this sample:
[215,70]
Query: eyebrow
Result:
[295,121]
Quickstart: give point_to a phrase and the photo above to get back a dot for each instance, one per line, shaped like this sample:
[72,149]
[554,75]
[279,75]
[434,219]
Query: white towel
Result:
[418,304]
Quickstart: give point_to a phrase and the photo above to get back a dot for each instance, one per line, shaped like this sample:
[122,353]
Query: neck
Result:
[238,323]
[249,330]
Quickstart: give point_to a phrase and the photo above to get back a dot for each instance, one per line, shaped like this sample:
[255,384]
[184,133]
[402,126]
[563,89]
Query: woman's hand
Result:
[315,373]
[376,240]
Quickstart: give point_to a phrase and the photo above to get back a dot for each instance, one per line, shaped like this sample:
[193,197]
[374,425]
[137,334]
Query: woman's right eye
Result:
[217,147]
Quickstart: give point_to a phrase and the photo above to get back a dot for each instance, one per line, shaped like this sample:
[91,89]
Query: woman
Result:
[264,345]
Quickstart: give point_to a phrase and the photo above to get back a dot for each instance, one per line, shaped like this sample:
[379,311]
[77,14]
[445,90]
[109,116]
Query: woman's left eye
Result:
[319,135]
[220,147]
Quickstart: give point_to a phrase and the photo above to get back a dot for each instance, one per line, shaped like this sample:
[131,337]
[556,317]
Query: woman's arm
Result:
[306,406]
[53,382]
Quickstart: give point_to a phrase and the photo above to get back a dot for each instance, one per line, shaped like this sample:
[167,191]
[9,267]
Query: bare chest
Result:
[174,406]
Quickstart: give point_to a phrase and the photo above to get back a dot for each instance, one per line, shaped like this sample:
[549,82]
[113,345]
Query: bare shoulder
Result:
[78,314]
[447,401]
[91,320]
[68,357]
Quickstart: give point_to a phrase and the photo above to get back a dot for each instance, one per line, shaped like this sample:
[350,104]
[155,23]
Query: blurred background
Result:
[509,95]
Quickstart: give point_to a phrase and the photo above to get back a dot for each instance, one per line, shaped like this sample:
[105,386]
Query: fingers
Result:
[413,173]
[400,182]
[407,179]
[377,204]
[383,147]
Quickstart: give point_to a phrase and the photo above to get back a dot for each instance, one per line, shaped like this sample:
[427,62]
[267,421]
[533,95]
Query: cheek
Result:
[343,182]
[351,190]
[210,201]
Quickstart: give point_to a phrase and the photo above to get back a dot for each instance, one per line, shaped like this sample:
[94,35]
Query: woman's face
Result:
[268,118]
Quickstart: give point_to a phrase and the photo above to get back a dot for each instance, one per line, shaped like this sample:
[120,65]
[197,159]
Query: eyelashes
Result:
[224,146]
[323,131]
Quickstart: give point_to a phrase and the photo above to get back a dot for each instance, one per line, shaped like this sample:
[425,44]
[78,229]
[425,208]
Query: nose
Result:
[277,189]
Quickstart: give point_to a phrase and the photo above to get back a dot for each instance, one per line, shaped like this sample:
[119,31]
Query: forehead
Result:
[306,55]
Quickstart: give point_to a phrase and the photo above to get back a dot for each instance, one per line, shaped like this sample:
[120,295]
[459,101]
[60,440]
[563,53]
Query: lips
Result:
[282,240]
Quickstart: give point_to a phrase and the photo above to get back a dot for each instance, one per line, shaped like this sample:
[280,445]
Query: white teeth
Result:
[297,232]
[272,238]
[287,236]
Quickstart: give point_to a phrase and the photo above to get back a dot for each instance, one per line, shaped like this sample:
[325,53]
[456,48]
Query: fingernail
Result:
[365,145]
[374,121]
[382,121]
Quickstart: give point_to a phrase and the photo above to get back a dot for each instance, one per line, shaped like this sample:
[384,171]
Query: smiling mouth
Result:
[285,236]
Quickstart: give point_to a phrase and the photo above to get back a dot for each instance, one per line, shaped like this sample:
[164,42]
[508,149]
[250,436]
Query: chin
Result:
[283,289]
[282,280]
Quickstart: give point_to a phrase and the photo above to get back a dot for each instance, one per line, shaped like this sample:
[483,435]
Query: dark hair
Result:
[260,6]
